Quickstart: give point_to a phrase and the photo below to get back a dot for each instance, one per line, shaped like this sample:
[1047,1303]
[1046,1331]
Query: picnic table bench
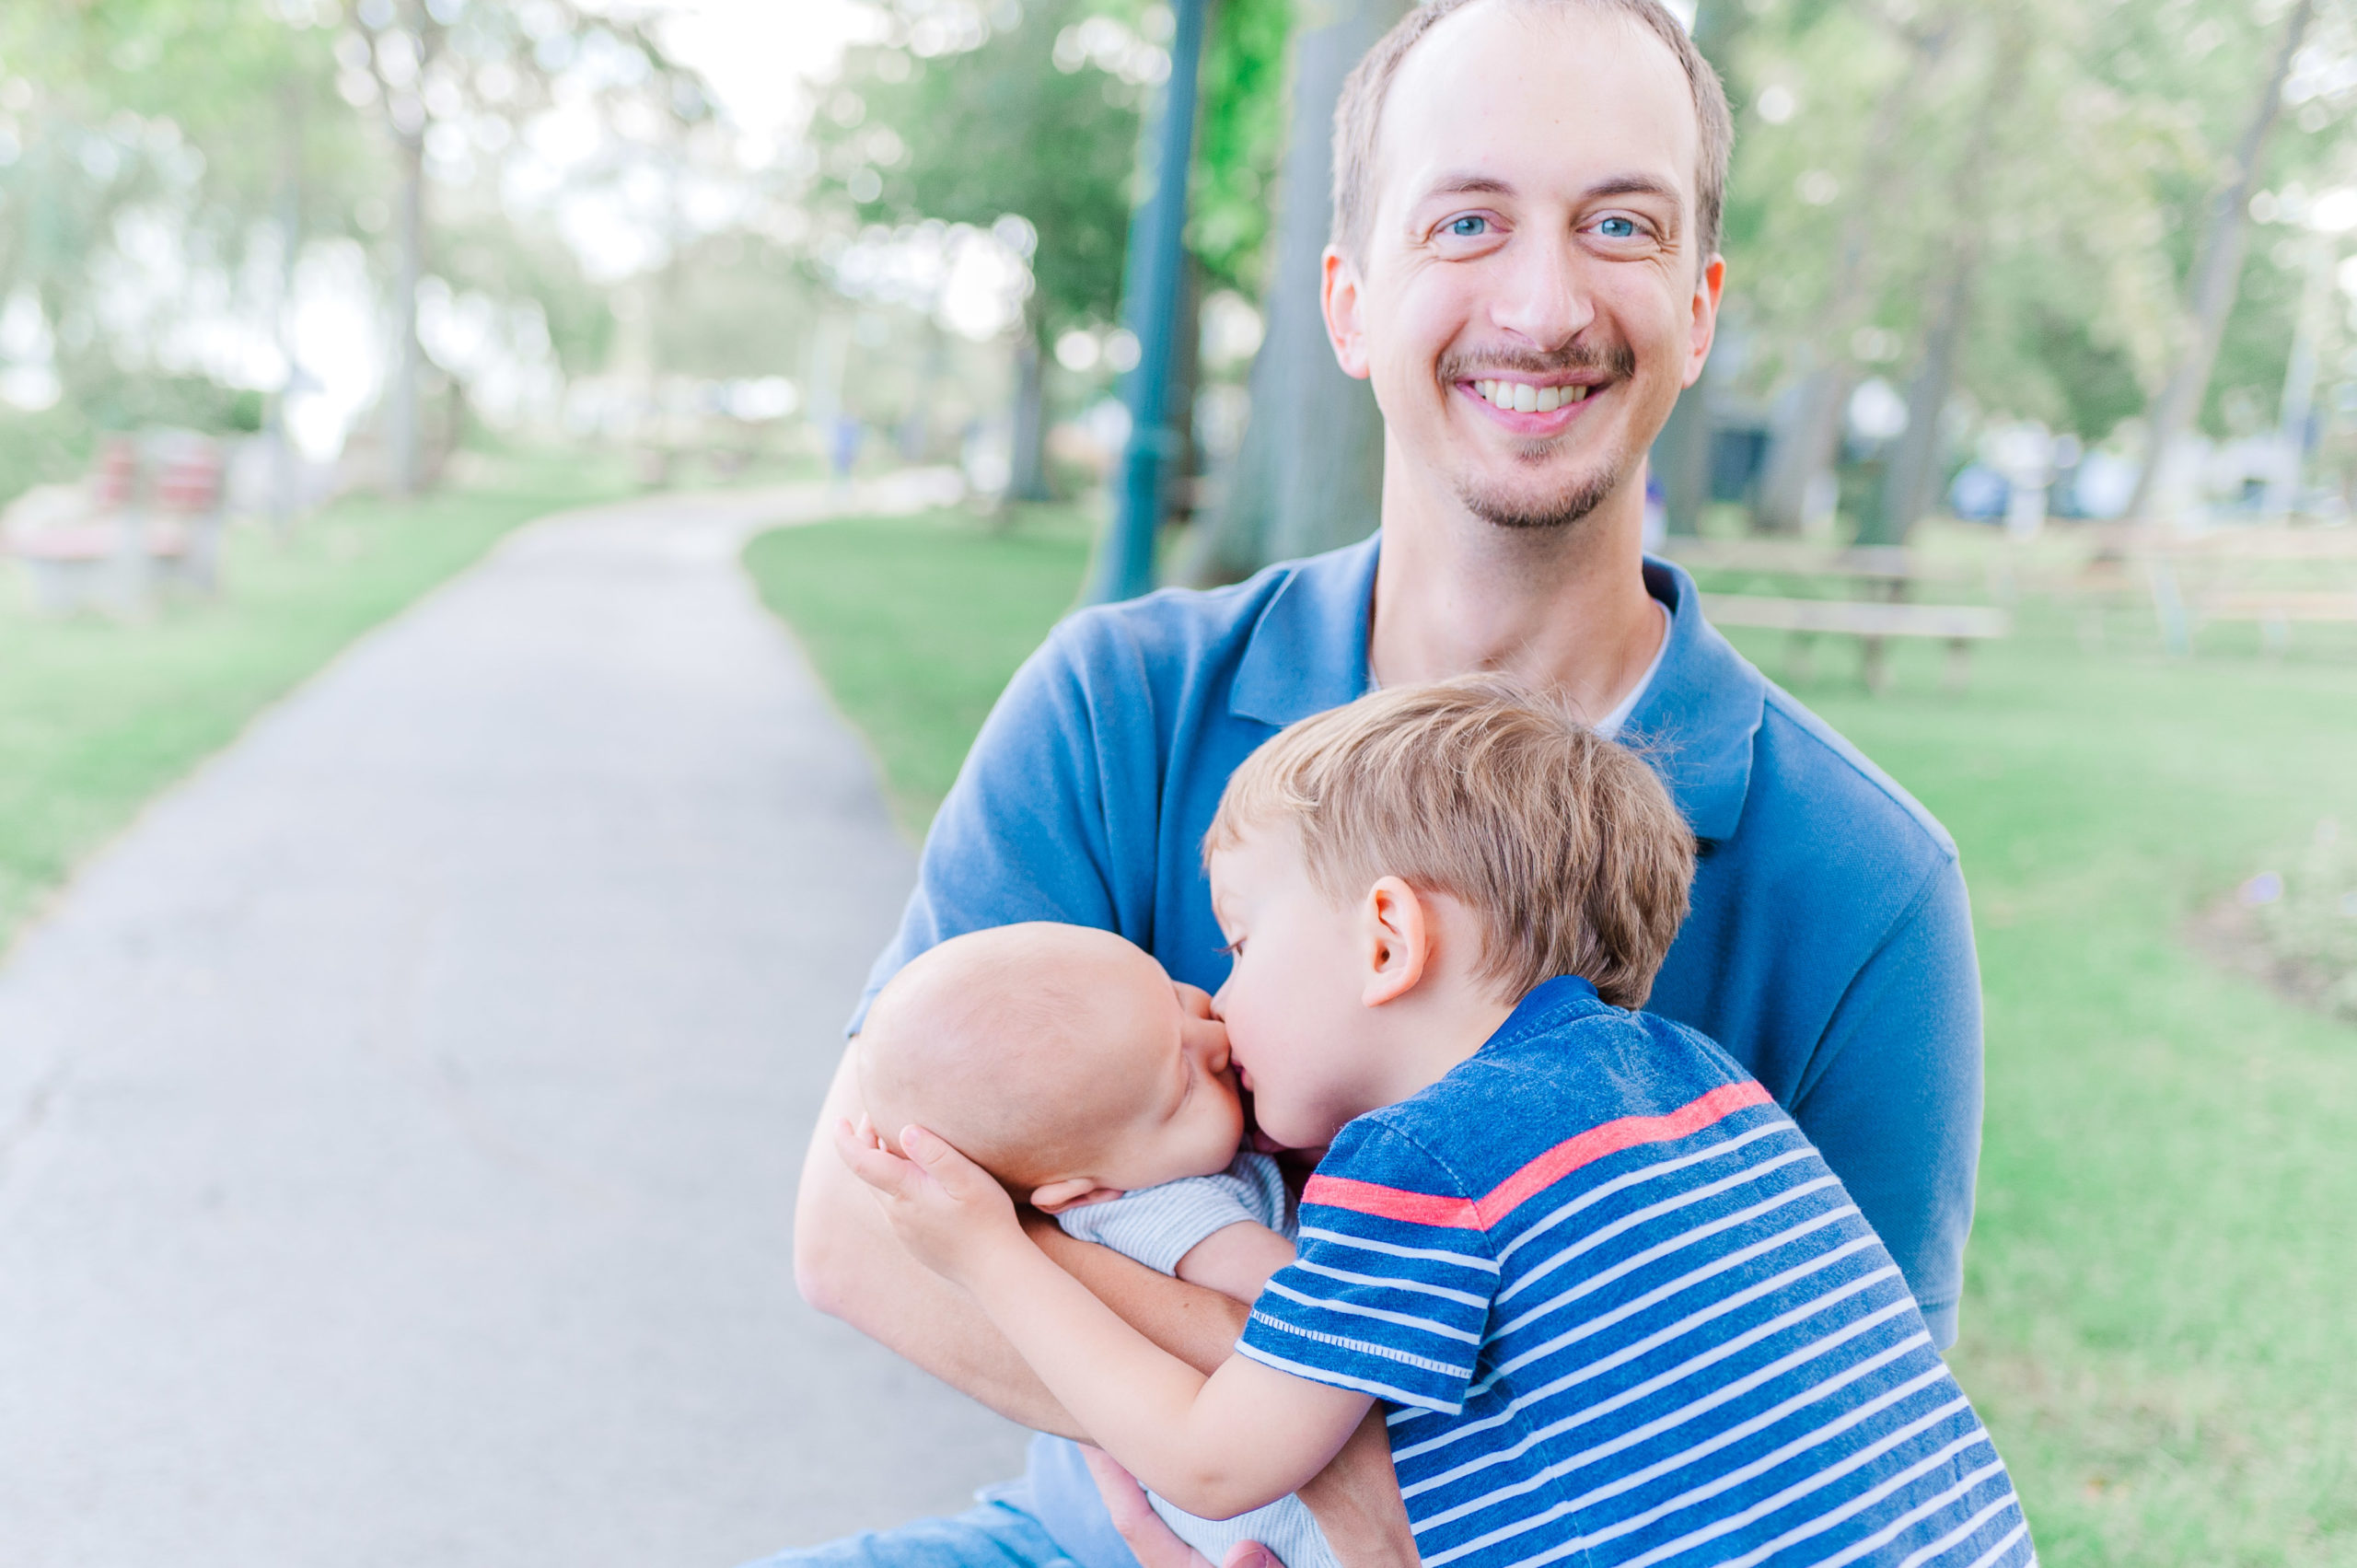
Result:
[1891,569]
[1874,624]
[123,540]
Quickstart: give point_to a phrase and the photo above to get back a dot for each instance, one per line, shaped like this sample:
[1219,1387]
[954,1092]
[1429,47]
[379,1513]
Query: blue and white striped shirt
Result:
[1667,1339]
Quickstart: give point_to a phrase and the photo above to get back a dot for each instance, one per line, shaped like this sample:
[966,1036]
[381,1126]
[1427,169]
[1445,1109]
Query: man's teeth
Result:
[1521,396]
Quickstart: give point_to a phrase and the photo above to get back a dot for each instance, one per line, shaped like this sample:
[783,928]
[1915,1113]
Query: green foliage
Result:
[953,129]
[96,716]
[2093,133]
[51,445]
[1002,127]
[1240,136]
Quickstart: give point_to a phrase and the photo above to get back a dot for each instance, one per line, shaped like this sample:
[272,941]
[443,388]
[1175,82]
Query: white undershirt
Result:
[1610,724]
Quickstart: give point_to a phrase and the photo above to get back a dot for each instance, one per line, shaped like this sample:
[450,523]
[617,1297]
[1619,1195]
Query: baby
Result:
[1065,1062]
[1619,1308]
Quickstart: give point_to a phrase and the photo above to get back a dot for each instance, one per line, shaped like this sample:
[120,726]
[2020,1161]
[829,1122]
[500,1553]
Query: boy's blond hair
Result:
[1565,845]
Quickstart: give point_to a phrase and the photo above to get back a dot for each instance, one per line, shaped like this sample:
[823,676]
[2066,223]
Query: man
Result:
[1524,263]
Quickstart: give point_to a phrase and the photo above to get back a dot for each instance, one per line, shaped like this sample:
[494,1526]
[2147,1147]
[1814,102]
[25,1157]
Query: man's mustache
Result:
[1615,360]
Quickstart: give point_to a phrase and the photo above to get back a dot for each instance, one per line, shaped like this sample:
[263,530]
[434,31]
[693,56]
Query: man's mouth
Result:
[1526,396]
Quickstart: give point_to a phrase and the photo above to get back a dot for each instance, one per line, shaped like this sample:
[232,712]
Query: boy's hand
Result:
[946,1209]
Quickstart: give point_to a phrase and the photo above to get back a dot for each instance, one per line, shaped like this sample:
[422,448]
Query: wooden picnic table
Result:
[1958,625]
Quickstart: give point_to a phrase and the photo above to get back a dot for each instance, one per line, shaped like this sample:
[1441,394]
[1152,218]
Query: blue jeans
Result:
[1002,1530]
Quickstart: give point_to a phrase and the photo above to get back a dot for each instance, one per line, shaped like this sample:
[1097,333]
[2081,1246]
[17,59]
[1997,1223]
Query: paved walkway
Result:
[399,1126]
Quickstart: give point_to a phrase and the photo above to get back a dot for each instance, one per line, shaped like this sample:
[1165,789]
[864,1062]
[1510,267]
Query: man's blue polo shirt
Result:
[1828,949]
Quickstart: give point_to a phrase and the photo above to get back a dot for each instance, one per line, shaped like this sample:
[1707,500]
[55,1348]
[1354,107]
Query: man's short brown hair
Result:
[1358,117]
[1565,845]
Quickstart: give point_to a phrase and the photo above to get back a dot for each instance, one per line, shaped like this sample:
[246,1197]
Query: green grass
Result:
[96,716]
[915,624]
[2157,1320]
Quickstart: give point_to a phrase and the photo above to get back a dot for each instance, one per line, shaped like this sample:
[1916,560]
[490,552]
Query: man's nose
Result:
[1543,296]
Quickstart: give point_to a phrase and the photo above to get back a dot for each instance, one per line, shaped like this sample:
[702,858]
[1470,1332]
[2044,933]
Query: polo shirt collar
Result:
[1695,722]
[1309,650]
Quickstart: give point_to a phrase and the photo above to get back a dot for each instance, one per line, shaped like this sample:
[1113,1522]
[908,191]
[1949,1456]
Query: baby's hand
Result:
[946,1209]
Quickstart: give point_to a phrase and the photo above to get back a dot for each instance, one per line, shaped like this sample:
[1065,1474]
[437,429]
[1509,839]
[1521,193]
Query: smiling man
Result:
[1525,265]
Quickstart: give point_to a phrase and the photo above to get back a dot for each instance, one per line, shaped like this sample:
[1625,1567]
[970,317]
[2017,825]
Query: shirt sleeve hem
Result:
[1332,1380]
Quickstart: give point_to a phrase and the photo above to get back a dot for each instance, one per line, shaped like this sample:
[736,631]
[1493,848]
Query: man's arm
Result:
[850,1266]
[1894,1103]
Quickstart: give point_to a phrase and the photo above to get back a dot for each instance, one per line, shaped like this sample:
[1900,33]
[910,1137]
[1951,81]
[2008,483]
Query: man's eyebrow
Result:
[1469,184]
[1635,185]
[1611,185]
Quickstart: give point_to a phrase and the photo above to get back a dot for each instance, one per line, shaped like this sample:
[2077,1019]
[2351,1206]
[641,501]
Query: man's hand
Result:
[946,1209]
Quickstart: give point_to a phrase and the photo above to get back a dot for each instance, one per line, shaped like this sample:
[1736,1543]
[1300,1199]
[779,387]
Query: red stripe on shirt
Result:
[1423,1208]
[1391,1202]
[1610,1139]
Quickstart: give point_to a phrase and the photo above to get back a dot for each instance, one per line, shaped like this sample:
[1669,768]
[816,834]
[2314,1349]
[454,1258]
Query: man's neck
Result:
[1562,609]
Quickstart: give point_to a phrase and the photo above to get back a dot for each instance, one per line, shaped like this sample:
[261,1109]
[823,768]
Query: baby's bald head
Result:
[1021,1045]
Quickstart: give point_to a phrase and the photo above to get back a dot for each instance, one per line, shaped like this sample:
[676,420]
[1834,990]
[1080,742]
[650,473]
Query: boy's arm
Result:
[1217,1447]
[1235,1260]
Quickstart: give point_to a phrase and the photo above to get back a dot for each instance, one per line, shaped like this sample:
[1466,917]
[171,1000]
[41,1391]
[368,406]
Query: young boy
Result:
[1620,1308]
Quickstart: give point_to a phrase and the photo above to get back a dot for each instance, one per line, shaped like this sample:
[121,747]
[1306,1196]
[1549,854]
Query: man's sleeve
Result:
[1390,1293]
[1895,1104]
[1025,832]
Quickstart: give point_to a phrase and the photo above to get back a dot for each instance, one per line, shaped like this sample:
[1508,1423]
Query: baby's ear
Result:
[1070,1193]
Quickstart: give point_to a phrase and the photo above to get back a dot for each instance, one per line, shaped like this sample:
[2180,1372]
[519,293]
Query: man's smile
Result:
[1532,407]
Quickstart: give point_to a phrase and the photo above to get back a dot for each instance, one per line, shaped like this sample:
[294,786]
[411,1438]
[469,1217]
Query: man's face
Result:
[1530,302]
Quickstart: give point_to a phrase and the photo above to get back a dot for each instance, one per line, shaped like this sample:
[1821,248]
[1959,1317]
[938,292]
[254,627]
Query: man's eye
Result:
[1469,227]
[1618,228]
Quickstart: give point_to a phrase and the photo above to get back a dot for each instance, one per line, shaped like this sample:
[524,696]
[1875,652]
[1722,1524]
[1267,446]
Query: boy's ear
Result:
[1397,941]
[1070,1193]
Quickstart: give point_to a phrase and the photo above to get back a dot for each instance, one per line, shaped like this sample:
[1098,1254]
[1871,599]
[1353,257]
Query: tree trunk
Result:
[2216,276]
[1910,482]
[1309,475]
[1183,483]
[1802,448]
[1027,457]
[401,446]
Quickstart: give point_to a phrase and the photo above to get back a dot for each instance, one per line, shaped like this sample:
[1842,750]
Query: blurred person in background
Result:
[1525,263]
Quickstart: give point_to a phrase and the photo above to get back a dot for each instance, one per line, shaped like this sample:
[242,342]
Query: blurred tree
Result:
[447,71]
[2023,259]
[956,127]
[1309,475]
[2218,273]
[104,145]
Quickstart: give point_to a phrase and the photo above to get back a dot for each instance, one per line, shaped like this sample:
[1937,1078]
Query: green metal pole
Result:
[1150,290]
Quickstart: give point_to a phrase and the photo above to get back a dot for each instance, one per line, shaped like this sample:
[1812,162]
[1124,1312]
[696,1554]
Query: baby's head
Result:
[1518,844]
[1060,1059]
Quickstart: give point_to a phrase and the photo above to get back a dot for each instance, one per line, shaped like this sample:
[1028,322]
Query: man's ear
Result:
[1705,325]
[1397,937]
[1070,1193]
[1346,328]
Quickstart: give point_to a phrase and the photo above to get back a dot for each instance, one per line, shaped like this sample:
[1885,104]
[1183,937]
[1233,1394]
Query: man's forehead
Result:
[1551,98]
